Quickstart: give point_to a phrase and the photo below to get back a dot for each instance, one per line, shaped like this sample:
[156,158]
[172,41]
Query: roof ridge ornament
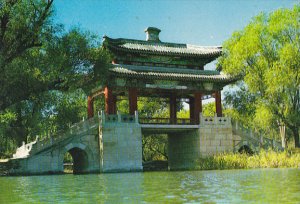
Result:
[152,34]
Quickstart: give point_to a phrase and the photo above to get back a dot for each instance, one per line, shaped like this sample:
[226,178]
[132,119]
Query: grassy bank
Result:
[265,159]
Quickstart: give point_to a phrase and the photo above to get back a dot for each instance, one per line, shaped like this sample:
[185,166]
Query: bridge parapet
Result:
[24,150]
[218,121]
[78,128]
[58,136]
[251,138]
[118,118]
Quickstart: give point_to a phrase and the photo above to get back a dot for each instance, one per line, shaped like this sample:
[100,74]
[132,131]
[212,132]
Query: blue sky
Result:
[199,22]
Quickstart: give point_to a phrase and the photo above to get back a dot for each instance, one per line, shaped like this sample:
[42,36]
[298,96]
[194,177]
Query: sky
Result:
[200,22]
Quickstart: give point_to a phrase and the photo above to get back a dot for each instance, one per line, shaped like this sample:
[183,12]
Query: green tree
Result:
[37,55]
[43,71]
[209,109]
[267,54]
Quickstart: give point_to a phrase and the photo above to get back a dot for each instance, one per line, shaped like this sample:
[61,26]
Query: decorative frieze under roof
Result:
[161,73]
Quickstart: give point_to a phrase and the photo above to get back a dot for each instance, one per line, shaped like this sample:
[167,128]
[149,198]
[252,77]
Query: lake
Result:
[226,186]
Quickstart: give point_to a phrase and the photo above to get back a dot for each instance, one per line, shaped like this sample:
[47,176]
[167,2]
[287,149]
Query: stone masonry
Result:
[215,135]
[113,143]
[120,145]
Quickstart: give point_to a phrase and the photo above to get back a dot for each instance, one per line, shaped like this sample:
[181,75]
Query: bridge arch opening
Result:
[75,161]
[155,151]
[245,149]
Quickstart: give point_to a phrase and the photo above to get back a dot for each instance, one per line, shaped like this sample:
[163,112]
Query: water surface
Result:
[230,186]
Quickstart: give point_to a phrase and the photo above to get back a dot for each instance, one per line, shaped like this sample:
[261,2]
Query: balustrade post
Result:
[119,117]
[215,119]
[136,116]
[200,118]
[102,116]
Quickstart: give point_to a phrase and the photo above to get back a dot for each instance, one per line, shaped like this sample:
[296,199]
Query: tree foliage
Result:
[37,55]
[267,54]
[46,71]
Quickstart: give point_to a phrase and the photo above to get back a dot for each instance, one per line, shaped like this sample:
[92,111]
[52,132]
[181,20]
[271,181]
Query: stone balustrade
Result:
[219,121]
[58,136]
[252,138]
[24,150]
[118,118]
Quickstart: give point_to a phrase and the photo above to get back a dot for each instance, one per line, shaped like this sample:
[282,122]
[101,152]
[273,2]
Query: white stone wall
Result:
[43,163]
[215,135]
[121,147]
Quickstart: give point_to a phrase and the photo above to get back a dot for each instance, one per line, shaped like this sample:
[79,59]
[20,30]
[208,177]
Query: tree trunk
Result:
[282,135]
[19,129]
[295,131]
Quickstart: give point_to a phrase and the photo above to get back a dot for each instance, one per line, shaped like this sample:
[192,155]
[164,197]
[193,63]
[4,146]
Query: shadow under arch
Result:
[245,149]
[81,156]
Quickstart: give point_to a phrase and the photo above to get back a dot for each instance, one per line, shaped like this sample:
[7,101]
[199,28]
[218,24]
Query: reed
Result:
[264,159]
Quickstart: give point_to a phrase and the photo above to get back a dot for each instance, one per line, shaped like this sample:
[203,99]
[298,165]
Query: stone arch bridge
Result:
[113,143]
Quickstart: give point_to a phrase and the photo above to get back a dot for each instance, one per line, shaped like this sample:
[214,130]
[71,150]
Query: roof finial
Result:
[152,34]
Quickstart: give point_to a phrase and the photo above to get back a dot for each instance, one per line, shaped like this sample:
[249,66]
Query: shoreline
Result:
[226,161]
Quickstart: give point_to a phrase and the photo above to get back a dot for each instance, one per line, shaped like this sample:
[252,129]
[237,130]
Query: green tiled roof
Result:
[150,47]
[161,74]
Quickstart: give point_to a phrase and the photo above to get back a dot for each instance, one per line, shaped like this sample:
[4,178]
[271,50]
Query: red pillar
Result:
[132,93]
[90,107]
[192,109]
[114,104]
[108,101]
[218,103]
[197,106]
[173,110]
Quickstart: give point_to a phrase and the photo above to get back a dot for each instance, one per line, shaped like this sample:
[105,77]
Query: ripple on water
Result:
[227,186]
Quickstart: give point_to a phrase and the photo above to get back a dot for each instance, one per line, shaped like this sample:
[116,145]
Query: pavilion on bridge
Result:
[171,71]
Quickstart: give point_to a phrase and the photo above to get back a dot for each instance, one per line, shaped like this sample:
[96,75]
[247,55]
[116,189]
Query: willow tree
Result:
[267,54]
